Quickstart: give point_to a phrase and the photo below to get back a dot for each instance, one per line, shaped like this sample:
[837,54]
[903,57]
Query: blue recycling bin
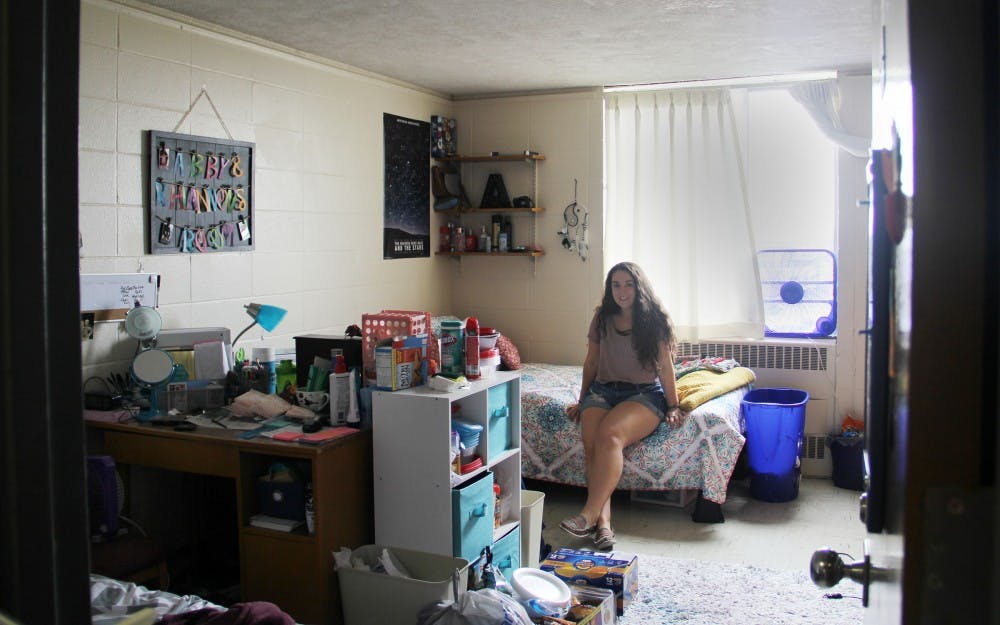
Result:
[775,420]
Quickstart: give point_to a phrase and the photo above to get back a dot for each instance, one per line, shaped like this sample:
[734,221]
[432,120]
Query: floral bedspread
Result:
[700,454]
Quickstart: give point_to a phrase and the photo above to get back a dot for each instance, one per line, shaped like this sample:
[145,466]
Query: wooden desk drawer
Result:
[175,454]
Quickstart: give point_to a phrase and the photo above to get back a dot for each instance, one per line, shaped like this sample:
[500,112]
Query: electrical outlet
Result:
[86,326]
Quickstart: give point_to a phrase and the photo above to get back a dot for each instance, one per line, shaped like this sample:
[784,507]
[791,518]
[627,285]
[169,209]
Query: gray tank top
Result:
[618,361]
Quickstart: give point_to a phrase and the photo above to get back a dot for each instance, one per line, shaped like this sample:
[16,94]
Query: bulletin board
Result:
[200,195]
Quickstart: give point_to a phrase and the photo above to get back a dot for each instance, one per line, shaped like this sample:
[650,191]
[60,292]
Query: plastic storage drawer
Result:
[498,407]
[507,552]
[472,517]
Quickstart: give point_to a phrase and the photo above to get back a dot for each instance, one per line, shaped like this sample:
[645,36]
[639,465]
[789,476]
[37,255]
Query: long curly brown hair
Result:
[650,322]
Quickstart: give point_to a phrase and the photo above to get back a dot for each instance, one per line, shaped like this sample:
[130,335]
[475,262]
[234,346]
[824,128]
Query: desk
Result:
[291,570]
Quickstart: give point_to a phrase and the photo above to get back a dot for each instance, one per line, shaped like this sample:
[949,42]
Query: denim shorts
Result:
[607,395]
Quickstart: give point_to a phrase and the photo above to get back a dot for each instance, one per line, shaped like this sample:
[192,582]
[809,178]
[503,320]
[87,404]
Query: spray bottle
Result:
[472,348]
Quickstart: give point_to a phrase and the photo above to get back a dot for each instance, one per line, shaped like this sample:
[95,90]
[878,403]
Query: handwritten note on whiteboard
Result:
[111,295]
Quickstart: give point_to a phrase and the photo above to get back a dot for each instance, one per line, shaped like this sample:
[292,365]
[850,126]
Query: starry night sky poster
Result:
[407,188]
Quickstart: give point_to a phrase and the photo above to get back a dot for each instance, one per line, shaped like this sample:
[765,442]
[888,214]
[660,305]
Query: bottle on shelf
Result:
[458,240]
[495,223]
[445,238]
[497,516]
[508,227]
[485,240]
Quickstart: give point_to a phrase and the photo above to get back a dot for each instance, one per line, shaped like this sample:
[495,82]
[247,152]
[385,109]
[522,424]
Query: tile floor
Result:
[772,535]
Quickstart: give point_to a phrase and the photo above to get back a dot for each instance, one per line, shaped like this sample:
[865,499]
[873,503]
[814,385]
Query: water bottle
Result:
[286,376]
[264,356]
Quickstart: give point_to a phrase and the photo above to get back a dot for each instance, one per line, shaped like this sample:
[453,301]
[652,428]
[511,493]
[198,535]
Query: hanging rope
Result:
[204,92]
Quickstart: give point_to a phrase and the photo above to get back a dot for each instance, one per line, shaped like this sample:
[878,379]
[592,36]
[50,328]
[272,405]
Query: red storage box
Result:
[376,327]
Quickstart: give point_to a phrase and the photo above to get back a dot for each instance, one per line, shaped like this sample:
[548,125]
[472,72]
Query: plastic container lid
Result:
[263,354]
[472,466]
[466,428]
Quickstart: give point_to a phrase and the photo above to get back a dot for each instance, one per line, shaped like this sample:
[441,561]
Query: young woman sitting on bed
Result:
[628,388]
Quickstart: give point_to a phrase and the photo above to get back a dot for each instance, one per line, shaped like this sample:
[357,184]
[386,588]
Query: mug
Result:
[313,400]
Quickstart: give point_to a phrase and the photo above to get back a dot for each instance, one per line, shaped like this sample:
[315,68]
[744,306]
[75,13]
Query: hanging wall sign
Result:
[200,194]
[407,224]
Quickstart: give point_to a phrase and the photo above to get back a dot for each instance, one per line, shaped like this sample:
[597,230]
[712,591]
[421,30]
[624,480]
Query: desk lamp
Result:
[267,316]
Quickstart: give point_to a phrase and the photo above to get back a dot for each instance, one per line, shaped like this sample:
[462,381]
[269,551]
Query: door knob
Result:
[827,567]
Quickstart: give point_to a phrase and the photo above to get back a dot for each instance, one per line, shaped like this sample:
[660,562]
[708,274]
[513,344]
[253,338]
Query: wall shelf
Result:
[489,158]
[454,164]
[533,253]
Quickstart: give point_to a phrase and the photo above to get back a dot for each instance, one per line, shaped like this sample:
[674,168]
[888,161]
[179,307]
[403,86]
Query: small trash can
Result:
[532,504]
[775,420]
[848,457]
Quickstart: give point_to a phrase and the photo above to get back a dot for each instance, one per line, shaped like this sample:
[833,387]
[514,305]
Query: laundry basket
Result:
[775,419]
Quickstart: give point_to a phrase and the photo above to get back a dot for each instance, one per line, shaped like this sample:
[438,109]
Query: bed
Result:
[700,455]
[117,602]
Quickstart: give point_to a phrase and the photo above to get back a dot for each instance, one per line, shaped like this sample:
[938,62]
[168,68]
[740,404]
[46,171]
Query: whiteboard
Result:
[111,295]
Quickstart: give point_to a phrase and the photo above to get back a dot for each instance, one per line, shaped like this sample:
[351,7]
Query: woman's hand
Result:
[573,412]
[675,417]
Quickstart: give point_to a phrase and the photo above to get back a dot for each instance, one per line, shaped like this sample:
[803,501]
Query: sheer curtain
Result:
[677,205]
[822,101]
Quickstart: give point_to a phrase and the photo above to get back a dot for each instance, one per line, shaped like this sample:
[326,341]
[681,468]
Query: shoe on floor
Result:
[604,539]
[577,526]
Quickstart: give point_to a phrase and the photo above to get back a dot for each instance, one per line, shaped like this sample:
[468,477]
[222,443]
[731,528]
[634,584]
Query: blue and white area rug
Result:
[694,592]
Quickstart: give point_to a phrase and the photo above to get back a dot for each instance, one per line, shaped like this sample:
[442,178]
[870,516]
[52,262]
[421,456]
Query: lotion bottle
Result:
[340,392]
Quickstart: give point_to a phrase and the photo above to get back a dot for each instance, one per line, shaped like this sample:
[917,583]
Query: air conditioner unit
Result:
[788,363]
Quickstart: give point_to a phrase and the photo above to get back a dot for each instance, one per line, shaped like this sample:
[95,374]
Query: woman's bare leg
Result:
[625,424]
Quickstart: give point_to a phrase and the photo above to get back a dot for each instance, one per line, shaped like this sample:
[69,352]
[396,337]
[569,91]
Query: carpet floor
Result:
[694,592]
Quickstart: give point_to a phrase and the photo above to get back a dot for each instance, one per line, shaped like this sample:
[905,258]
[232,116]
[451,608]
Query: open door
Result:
[930,508]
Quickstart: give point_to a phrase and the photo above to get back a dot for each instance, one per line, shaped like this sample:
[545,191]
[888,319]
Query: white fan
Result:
[799,288]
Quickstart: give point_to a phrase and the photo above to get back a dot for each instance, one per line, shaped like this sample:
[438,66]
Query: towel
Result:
[697,387]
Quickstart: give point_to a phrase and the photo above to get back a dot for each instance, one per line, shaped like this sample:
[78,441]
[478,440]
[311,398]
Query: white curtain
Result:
[677,206]
[822,101]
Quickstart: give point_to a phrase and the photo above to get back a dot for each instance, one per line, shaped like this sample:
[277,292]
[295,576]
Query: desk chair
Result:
[118,550]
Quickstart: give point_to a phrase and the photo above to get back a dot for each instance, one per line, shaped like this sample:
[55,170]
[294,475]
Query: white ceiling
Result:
[465,48]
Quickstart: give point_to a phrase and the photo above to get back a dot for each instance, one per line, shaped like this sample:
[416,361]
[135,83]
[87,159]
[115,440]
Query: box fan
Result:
[105,496]
[799,289]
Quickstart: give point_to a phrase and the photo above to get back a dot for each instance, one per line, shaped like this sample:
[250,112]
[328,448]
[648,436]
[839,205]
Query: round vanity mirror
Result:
[152,368]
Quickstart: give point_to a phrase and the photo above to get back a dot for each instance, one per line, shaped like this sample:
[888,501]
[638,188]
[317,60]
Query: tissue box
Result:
[388,324]
[616,571]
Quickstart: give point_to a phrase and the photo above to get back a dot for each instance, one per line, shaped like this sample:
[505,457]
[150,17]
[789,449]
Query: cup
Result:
[313,400]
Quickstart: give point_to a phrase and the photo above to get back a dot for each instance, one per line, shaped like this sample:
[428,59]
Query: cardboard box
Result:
[616,571]
[403,365]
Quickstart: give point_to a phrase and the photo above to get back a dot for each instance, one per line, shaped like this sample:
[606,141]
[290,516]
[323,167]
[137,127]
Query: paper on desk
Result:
[210,360]
[228,423]
[294,429]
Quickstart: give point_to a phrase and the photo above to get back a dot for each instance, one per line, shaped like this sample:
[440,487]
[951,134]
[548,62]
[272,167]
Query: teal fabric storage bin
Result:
[507,552]
[472,517]
[498,407]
